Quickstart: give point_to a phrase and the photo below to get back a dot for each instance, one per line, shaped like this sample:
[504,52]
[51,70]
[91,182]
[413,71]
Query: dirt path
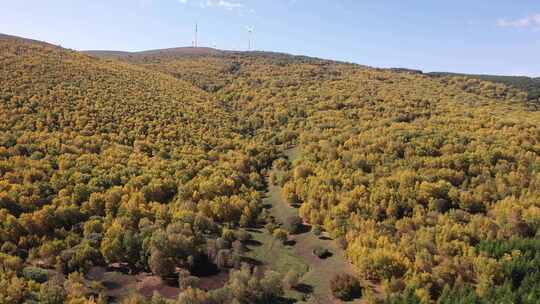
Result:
[317,278]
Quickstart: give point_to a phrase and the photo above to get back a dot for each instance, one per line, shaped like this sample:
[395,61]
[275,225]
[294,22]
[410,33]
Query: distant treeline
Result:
[528,84]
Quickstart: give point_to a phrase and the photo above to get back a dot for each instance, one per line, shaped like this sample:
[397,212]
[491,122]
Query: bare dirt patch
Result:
[148,284]
[120,284]
[214,282]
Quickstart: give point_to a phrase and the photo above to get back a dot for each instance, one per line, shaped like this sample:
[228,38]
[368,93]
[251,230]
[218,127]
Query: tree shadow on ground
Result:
[171,280]
[301,229]
[326,255]
[356,294]
[322,254]
[251,261]
[204,268]
[252,243]
[286,301]
[304,288]
[122,268]
[290,243]
[111,285]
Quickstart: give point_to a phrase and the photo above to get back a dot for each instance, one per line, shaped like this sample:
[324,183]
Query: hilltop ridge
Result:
[26,40]
[178,51]
[531,85]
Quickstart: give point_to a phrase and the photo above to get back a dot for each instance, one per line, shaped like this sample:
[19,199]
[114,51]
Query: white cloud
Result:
[222,3]
[532,21]
[231,5]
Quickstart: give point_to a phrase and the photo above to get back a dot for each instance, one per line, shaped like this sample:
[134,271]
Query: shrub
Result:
[284,178]
[51,293]
[393,285]
[345,287]
[291,279]
[187,282]
[342,243]
[37,274]
[246,286]
[224,258]
[321,252]
[293,224]
[160,264]
[272,178]
[281,235]
[9,262]
[282,164]
[270,227]
[228,235]
[243,235]
[8,247]
[238,247]
[192,296]
[301,172]
[289,194]
[222,243]
[317,230]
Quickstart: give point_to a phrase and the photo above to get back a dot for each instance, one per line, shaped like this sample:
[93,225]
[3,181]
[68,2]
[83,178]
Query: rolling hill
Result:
[527,84]
[173,52]
[180,171]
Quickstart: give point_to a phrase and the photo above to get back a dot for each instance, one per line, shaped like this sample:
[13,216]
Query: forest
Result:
[160,163]
[528,84]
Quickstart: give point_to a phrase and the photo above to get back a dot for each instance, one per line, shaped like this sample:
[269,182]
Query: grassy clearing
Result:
[321,271]
[316,273]
[276,256]
[272,254]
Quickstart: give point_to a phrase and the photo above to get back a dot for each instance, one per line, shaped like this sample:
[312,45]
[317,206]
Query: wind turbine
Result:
[197,34]
[250,33]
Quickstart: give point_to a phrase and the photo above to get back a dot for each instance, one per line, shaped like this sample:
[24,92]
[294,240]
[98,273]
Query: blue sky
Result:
[472,36]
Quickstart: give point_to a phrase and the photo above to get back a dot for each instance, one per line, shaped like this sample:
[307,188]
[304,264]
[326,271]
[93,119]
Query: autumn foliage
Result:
[431,184]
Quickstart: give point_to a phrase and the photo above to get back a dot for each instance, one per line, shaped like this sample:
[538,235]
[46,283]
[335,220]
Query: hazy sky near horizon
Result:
[480,36]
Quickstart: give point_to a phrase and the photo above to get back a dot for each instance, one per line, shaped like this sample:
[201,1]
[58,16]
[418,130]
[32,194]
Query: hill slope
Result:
[157,161]
[84,141]
[161,57]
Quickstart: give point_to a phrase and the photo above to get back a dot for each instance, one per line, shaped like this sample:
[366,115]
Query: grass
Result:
[275,255]
[316,273]
[272,253]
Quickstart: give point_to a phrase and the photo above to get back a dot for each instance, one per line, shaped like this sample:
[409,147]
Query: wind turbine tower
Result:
[250,33]
[196,41]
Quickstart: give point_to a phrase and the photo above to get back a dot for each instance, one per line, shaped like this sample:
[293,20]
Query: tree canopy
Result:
[149,161]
